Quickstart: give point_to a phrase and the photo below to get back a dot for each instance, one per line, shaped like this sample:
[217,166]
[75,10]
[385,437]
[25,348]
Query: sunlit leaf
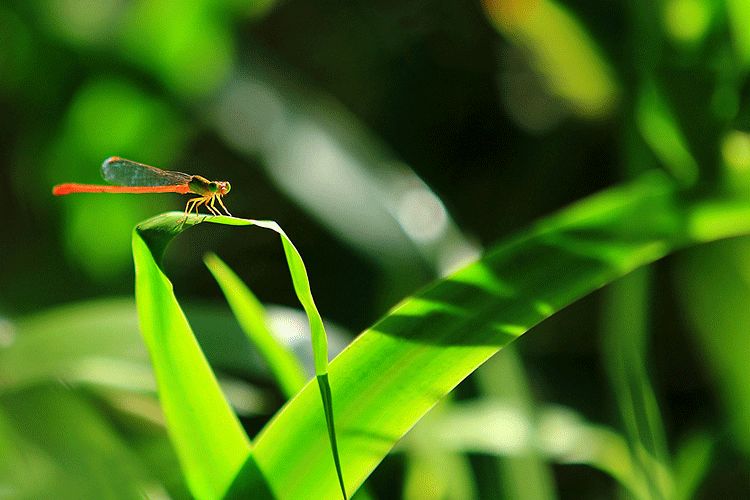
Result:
[172,344]
[208,438]
[393,373]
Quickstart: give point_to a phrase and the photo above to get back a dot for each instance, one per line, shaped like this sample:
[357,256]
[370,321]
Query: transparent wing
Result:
[122,172]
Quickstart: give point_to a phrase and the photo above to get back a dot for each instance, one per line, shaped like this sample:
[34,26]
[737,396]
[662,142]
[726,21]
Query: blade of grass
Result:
[252,319]
[208,438]
[163,323]
[393,373]
[396,371]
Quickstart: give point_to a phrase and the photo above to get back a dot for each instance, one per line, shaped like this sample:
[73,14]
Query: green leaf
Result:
[71,343]
[209,440]
[393,373]
[252,319]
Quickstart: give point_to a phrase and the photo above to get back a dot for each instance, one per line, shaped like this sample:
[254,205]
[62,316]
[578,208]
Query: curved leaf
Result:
[393,373]
[208,438]
[213,449]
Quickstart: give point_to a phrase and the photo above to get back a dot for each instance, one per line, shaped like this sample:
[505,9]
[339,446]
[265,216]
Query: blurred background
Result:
[393,141]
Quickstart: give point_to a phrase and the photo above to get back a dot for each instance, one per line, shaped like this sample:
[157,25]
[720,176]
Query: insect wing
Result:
[124,172]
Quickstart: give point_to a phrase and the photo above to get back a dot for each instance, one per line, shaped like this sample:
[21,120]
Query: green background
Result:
[392,141]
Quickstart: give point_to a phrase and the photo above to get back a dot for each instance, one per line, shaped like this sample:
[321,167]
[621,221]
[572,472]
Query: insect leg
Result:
[209,205]
[222,205]
[197,205]
[189,208]
[204,201]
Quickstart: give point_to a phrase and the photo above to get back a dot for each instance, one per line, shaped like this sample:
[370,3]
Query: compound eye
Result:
[227,187]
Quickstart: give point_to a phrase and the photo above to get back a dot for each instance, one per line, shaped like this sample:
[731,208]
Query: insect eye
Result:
[227,187]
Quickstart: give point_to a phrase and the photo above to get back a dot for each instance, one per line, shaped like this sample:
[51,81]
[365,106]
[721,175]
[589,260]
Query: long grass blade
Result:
[394,372]
[208,438]
[252,319]
[163,323]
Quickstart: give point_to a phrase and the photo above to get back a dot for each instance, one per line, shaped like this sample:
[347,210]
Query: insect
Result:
[133,177]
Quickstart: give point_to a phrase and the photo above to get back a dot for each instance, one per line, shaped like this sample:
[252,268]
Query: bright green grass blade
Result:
[252,318]
[393,373]
[299,280]
[208,438]
[163,321]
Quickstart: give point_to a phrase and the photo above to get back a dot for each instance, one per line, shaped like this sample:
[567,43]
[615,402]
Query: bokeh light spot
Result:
[735,148]
[422,215]
[687,20]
